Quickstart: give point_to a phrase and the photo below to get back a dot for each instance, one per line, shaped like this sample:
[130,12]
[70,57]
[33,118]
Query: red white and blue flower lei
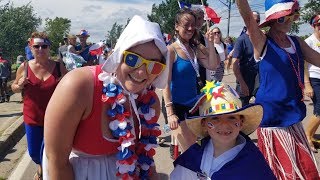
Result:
[134,161]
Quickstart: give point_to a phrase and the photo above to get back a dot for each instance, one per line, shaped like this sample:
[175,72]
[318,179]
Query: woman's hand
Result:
[173,121]
[210,35]
[308,91]
[22,81]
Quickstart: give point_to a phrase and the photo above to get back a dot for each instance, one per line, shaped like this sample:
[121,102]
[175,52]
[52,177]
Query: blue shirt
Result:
[279,92]
[85,54]
[183,82]
[249,163]
[29,55]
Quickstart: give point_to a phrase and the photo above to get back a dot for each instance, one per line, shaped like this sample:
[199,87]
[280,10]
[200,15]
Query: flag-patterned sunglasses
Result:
[135,61]
[292,17]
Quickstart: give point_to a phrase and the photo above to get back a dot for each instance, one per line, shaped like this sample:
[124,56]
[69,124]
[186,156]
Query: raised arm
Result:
[70,103]
[257,37]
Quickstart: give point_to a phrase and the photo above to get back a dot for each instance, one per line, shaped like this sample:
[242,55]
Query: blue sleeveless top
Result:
[279,91]
[248,164]
[183,82]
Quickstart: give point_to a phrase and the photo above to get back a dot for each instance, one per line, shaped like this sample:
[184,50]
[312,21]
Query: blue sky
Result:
[97,16]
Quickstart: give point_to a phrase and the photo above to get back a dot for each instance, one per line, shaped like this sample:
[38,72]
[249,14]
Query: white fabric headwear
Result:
[139,31]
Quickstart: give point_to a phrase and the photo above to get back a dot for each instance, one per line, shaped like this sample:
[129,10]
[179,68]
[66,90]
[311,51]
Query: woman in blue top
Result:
[281,137]
[183,74]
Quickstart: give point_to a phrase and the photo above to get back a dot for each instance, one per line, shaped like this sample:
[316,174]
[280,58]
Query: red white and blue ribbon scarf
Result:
[134,160]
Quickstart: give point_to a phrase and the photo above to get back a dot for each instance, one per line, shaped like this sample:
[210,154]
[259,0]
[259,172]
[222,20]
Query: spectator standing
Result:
[281,137]
[28,52]
[84,47]
[5,75]
[20,60]
[37,79]
[312,83]
[230,45]
[245,67]
[184,77]
[64,48]
[221,48]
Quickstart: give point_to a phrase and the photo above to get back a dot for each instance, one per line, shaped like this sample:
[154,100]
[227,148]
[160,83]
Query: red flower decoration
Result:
[151,153]
[106,99]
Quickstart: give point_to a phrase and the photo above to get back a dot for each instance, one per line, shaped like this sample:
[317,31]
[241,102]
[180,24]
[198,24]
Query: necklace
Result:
[134,160]
[295,69]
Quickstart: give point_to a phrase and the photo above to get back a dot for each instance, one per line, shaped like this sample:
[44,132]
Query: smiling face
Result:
[136,79]
[223,129]
[186,26]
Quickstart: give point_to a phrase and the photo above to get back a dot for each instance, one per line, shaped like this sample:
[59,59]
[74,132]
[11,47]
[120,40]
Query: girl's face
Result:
[136,79]
[186,27]
[72,41]
[223,129]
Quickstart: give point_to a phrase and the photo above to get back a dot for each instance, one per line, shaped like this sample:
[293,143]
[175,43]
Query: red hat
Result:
[278,8]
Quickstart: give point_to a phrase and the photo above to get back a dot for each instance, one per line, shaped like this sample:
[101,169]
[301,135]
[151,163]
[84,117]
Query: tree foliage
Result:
[115,33]
[164,14]
[56,29]
[16,26]
[310,8]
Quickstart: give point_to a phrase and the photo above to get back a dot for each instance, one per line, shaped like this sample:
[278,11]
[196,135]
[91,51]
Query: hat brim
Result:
[252,113]
[277,15]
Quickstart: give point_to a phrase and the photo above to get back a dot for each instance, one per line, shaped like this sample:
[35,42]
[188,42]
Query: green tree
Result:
[114,33]
[56,29]
[310,8]
[16,26]
[164,13]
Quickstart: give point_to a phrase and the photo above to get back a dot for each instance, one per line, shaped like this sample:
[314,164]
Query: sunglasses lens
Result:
[155,67]
[36,46]
[132,60]
[44,46]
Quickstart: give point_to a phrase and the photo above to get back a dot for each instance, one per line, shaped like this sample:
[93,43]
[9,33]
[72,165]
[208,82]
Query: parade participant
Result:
[217,75]
[224,152]
[184,74]
[84,47]
[281,137]
[245,67]
[5,75]
[312,83]
[37,79]
[107,114]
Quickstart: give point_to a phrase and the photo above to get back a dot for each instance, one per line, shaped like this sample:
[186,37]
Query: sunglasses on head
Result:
[135,61]
[42,46]
[292,17]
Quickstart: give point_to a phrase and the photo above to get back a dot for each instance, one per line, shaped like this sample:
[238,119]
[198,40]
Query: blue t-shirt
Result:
[229,48]
[279,91]
[29,55]
[243,50]
[183,82]
[85,54]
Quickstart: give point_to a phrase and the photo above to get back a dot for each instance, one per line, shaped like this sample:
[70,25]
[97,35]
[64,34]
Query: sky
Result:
[98,16]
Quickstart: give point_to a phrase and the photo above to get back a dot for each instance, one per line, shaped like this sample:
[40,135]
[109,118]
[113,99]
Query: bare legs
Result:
[311,129]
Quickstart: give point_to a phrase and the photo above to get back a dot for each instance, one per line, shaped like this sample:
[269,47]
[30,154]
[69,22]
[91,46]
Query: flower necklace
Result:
[295,69]
[134,161]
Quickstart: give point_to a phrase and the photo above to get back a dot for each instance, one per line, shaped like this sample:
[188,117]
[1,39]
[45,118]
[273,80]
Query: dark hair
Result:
[193,41]
[312,18]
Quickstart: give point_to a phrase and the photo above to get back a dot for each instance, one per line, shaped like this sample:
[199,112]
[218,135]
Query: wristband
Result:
[168,104]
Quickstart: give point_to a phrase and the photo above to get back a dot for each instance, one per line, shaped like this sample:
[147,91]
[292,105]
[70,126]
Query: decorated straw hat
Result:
[218,99]
[275,9]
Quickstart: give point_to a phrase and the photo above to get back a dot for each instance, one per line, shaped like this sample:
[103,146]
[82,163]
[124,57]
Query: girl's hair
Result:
[182,12]
[229,39]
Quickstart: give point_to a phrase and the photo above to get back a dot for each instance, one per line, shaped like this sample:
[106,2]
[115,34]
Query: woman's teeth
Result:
[136,79]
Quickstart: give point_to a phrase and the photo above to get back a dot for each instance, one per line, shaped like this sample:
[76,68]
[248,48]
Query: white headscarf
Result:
[139,31]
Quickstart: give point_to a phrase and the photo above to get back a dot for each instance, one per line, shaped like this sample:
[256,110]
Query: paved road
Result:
[25,169]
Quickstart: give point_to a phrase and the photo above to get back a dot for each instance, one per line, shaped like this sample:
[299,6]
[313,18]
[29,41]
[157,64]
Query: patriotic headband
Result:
[315,20]
[39,40]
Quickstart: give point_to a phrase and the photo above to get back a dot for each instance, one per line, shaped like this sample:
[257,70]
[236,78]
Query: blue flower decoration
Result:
[125,154]
[111,112]
[145,160]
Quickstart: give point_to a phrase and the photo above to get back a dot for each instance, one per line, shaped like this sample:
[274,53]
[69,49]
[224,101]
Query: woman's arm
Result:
[172,118]
[308,91]
[257,37]
[309,54]
[208,57]
[70,103]
[73,50]
[20,80]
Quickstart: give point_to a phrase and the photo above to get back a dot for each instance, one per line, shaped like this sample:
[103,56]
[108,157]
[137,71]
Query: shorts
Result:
[183,111]
[315,83]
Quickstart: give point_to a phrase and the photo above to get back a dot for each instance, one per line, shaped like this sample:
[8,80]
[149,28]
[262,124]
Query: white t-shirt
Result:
[220,49]
[314,43]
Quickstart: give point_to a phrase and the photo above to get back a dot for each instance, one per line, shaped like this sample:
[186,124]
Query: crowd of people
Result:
[106,106]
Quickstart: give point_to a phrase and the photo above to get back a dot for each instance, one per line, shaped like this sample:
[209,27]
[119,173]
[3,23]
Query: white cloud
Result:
[98,16]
